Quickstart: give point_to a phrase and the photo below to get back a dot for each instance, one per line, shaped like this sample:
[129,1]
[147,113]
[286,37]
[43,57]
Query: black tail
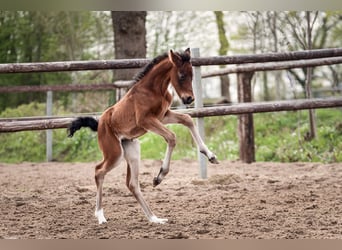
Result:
[82,122]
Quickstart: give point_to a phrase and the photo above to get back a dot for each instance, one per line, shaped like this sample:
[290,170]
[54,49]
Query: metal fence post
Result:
[197,87]
[49,131]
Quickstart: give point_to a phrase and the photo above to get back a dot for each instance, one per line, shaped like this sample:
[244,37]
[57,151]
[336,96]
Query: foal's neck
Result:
[159,77]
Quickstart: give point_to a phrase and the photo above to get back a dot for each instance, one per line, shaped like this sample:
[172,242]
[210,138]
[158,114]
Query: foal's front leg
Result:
[155,126]
[173,117]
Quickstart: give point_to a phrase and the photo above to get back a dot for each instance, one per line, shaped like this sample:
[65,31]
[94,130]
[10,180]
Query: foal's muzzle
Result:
[187,99]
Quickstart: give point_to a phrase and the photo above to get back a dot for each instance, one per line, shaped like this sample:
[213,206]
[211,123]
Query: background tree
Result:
[273,25]
[28,36]
[179,30]
[259,37]
[223,50]
[308,90]
[25,37]
[33,36]
[303,34]
[295,33]
[129,40]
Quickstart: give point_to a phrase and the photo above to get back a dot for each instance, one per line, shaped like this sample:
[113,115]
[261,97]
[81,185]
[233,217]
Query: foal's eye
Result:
[182,77]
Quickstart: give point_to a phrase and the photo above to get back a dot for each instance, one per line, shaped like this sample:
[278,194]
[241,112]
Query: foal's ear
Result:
[174,58]
[187,51]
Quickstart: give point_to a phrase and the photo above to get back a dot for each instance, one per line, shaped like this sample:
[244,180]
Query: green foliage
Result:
[220,133]
[82,147]
[222,137]
[282,137]
[23,146]
[35,36]
[154,146]
[30,145]
[31,109]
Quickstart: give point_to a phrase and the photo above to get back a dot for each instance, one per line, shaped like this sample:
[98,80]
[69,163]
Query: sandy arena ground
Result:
[237,201]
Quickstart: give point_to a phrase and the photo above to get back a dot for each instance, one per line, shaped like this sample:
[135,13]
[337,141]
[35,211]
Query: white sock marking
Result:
[100,216]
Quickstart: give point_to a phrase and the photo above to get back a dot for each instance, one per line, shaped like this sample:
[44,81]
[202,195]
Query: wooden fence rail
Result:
[65,87]
[253,67]
[43,123]
[264,107]
[137,63]
[267,57]
[269,66]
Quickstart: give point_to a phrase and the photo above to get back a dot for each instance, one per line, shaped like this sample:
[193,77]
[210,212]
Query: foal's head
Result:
[181,75]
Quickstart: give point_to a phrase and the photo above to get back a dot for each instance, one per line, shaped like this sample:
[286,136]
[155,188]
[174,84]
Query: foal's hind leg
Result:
[99,177]
[112,155]
[132,156]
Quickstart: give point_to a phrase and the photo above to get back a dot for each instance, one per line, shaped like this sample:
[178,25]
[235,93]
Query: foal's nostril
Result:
[188,100]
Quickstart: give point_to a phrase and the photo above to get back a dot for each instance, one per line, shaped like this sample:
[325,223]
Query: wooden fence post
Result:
[245,126]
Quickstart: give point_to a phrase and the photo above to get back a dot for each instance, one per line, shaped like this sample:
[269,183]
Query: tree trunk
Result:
[267,96]
[224,46]
[129,41]
[309,72]
[273,18]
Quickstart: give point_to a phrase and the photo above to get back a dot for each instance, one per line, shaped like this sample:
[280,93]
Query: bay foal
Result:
[144,108]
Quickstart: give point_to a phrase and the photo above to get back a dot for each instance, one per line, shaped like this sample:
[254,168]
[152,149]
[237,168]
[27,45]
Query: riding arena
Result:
[205,199]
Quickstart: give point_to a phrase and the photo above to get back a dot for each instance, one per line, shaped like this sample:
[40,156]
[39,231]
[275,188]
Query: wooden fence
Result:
[8,125]
[247,65]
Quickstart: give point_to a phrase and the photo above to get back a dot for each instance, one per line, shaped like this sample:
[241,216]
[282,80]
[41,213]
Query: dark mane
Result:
[185,58]
[149,66]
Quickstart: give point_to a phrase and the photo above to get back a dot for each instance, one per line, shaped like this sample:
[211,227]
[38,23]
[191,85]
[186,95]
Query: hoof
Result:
[102,221]
[214,160]
[155,219]
[156,182]
[100,216]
